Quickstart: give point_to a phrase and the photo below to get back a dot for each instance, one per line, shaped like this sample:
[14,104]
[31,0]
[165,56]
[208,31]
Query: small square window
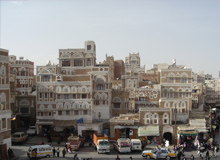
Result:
[89,47]
[3,123]
[84,96]
[51,95]
[165,121]
[40,95]
[59,113]
[85,112]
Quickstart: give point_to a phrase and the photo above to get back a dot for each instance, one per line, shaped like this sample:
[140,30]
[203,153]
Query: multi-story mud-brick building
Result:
[74,96]
[24,104]
[5,110]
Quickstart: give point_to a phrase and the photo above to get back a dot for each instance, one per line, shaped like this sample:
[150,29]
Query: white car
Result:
[32,130]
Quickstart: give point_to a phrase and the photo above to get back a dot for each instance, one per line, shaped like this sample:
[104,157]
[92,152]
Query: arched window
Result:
[84,89]
[180,93]
[196,99]
[58,89]
[147,118]
[3,101]
[117,103]
[74,89]
[171,93]
[165,93]
[41,107]
[22,72]
[67,105]
[59,105]
[3,70]
[100,84]
[155,117]
[66,89]
[49,107]
[167,104]
[76,105]
[165,118]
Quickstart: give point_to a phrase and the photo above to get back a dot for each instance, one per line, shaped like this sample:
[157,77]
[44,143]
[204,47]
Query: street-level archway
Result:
[168,136]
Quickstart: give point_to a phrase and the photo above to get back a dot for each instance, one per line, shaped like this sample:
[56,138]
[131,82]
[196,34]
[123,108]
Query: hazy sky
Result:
[159,30]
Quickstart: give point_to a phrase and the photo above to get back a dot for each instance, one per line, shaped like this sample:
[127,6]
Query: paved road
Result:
[20,150]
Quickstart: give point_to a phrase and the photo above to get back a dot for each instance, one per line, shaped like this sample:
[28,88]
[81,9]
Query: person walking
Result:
[131,158]
[54,152]
[184,158]
[192,157]
[10,153]
[75,157]
[34,154]
[179,155]
[207,155]
[58,152]
[42,142]
[117,158]
[175,148]
[64,152]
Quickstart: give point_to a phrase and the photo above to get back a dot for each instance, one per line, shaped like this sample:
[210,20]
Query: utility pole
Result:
[175,112]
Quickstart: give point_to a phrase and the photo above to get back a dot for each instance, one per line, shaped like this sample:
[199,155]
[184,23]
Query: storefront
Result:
[66,127]
[87,130]
[189,137]
[45,127]
[149,135]
[125,132]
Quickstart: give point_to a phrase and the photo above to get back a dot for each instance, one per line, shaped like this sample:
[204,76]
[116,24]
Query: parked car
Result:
[42,151]
[123,145]
[32,130]
[136,144]
[165,153]
[19,137]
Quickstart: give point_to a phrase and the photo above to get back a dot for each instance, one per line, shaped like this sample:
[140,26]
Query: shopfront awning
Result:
[45,123]
[65,123]
[148,131]
[188,133]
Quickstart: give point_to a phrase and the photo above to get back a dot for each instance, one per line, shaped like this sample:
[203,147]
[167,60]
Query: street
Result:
[20,151]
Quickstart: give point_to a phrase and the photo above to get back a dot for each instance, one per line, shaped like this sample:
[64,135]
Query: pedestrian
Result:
[179,155]
[184,146]
[10,152]
[174,148]
[207,155]
[42,142]
[54,152]
[70,148]
[192,157]
[215,153]
[58,152]
[75,157]
[66,147]
[34,154]
[158,153]
[117,158]
[64,152]
[131,158]
[184,158]
[201,156]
